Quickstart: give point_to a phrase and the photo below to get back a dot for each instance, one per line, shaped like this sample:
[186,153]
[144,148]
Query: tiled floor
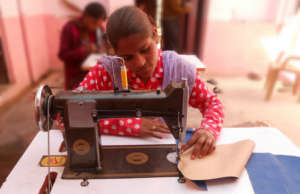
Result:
[242,98]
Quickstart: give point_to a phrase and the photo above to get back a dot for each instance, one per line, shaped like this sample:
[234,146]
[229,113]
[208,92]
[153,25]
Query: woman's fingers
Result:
[203,142]
[160,126]
[190,142]
[212,148]
[205,148]
[153,134]
[198,147]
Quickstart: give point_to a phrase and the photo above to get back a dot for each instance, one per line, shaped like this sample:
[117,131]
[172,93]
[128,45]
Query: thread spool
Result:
[124,77]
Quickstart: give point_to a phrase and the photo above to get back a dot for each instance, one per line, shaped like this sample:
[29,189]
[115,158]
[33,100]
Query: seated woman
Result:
[134,38]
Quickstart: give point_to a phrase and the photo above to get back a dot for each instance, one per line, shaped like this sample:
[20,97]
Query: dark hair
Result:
[127,21]
[95,10]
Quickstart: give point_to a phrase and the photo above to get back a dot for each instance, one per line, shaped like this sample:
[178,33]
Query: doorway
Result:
[3,68]
[194,34]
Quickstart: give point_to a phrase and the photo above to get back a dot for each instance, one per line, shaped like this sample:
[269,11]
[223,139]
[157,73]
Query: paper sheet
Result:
[228,160]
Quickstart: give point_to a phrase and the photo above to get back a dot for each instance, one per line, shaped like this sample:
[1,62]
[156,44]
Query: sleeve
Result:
[99,79]
[209,105]
[66,52]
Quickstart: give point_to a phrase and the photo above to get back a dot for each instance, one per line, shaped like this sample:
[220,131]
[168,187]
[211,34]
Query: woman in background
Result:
[78,40]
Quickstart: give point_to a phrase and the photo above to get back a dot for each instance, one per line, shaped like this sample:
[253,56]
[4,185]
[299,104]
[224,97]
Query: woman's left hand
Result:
[204,143]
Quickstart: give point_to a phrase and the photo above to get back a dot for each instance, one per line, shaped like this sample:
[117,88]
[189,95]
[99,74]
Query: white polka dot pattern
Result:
[209,105]
[201,98]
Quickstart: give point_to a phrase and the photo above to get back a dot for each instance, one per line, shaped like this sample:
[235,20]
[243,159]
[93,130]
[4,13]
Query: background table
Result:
[27,176]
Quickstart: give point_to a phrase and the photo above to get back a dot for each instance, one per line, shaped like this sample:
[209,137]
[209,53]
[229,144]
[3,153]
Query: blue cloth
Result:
[188,135]
[274,174]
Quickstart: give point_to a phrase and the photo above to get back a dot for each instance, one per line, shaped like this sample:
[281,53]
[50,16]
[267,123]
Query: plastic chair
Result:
[289,64]
[287,56]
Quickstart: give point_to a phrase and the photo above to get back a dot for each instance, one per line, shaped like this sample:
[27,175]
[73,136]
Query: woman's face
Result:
[91,23]
[140,54]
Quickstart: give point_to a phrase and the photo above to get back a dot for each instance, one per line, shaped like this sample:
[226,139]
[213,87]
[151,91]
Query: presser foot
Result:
[181,179]
[84,183]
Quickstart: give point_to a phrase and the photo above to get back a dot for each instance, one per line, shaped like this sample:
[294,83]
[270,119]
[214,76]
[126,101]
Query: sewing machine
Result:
[81,111]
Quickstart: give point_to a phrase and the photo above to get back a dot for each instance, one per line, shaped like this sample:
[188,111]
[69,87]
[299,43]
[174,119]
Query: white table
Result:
[193,59]
[93,59]
[27,176]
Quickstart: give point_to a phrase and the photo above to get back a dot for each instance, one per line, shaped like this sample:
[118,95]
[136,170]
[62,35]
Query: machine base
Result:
[135,161]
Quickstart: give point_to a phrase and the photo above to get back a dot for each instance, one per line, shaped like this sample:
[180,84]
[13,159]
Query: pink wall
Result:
[14,51]
[36,41]
[13,44]
[53,37]
[25,40]
[236,48]
[32,31]
[234,29]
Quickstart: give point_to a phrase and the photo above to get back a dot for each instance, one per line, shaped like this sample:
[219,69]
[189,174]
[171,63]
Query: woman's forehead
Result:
[132,44]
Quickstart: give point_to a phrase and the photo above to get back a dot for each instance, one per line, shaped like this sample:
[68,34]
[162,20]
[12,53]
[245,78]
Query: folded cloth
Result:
[274,174]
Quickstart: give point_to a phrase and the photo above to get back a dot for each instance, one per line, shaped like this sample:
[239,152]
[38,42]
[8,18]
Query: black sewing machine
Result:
[81,111]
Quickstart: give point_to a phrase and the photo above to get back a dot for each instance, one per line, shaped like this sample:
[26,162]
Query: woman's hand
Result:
[90,48]
[204,143]
[153,127]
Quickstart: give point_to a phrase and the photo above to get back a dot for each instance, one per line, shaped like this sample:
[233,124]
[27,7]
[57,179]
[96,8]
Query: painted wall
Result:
[12,37]
[34,27]
[31,31]
[234,29]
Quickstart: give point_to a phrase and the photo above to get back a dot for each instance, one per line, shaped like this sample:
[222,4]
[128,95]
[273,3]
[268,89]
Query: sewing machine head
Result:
[81,111]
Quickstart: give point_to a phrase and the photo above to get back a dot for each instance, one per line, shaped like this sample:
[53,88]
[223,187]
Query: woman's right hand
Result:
[90,48]
[153,127]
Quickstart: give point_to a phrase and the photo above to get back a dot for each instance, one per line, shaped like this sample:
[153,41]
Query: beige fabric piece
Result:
[228,160]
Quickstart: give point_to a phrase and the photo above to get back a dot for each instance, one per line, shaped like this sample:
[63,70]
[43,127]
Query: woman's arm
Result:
[204,138]
[209,105]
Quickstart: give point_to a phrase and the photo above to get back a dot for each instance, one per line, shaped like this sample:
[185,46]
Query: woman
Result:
[134,38]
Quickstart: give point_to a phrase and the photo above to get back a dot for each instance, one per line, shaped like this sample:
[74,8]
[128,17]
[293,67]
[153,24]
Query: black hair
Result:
[95,10]
[127,21]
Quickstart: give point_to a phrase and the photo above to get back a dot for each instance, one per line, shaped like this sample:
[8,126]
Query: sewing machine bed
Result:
[131,161]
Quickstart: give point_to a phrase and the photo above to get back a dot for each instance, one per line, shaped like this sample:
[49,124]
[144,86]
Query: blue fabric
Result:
[188,135]
[274,174]
[201,184]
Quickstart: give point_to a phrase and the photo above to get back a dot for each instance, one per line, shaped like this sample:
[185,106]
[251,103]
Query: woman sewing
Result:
[135,38]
